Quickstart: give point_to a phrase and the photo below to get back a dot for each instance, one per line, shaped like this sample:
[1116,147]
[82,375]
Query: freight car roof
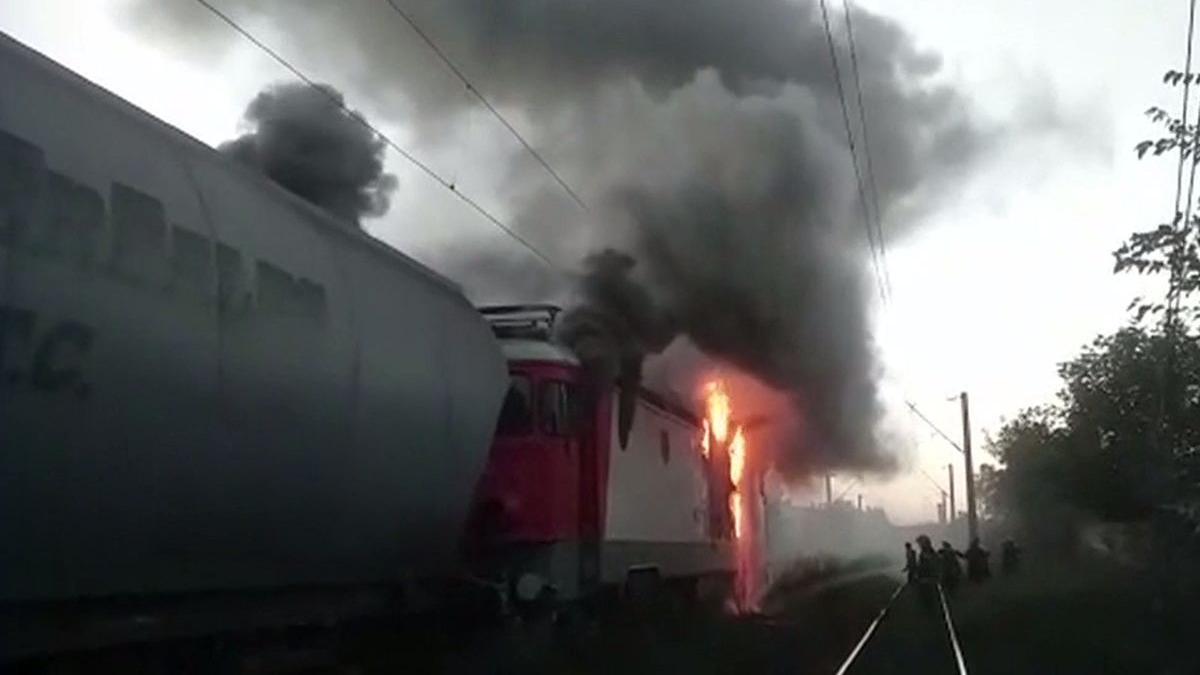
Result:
[202,151]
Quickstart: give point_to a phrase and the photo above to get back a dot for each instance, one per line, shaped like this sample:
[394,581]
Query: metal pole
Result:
[828,489]
[950,472]
[972,524]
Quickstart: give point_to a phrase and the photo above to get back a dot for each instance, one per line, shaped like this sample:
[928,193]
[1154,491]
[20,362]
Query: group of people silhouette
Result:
[928,566]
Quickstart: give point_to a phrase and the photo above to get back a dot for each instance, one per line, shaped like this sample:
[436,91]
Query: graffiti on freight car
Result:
[55,219]
[49,360]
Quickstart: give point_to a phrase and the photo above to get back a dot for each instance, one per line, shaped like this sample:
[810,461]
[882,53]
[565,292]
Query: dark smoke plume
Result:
[303,140]
[616,322]
[707,138]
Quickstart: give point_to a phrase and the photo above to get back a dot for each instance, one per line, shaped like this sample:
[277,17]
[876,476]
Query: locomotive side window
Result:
[559,409]
[516,416]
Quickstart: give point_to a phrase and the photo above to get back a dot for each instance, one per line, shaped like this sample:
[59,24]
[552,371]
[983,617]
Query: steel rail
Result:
[958,655]
[869,632]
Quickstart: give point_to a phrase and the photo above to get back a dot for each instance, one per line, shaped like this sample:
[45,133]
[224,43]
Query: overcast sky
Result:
[1003,280]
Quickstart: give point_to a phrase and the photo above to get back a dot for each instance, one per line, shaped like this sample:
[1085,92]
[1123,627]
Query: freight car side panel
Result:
[109,364]
[287,385]
[205,383]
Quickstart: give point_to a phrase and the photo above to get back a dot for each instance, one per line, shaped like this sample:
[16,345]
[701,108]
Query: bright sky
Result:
[1009,278]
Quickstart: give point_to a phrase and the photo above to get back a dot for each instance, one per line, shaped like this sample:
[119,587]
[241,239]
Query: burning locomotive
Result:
[591,486]
[218,407]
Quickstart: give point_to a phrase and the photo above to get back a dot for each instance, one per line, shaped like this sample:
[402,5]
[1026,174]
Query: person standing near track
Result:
[951,571]
[1010,557]
[910,562]
[977,563]
[928,571]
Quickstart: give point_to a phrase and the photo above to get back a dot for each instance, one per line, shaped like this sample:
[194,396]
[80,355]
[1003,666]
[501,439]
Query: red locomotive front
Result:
[577,497]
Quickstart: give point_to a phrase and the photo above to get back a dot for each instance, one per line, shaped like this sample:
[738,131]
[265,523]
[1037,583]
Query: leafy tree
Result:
[1091,455]
[1170,248]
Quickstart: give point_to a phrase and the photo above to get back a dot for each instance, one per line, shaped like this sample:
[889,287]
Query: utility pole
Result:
[950,472]
[972,524]
[828,489]
[860,501]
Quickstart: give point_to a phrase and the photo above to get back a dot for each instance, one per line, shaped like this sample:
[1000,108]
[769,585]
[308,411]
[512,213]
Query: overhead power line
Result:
[837,77]
[425,168]
[866,144]
[846,489]
[931,479]
[912,406]
[488,104]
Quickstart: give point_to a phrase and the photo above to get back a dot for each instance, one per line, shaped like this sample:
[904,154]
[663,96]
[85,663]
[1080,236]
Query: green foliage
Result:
[1123,440]
[1109,449]
[1170,248]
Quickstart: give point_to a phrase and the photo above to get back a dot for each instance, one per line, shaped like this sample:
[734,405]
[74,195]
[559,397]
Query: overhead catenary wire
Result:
[862,198]
[851,484]
[866,146]
[912,406]
[875,236]
[483,211]
[458,73]
[931,479]
[423,167]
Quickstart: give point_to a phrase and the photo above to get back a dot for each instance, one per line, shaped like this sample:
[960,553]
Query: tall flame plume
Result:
[720,431]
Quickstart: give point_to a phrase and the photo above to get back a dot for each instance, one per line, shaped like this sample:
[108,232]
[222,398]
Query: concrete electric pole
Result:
[950,473]
[972,524]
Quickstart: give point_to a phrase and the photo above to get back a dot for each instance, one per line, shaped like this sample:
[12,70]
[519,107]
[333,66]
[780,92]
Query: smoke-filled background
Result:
[706,138]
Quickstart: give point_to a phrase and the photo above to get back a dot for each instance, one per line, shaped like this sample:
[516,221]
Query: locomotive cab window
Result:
[516,415]
[559,408]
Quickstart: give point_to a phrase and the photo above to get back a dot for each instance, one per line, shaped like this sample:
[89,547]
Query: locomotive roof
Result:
[538,350]
[552,352]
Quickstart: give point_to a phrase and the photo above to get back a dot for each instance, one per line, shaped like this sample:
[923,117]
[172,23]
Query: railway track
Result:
[913,632]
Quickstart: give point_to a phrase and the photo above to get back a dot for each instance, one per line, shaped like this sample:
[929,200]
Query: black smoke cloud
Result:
[615,322]
[305,139]
[706,137]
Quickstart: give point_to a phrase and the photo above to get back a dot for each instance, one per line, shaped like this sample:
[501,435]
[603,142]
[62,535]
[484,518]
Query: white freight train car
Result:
[206,384]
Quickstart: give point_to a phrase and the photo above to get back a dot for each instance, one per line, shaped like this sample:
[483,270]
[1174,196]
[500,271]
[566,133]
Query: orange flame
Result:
[735,507]
[718,422]
[719,410]
[737,457]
